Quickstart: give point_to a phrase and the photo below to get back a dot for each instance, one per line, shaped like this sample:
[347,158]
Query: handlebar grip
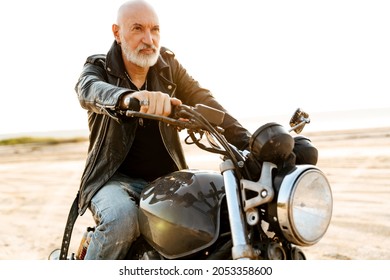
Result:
[134,105]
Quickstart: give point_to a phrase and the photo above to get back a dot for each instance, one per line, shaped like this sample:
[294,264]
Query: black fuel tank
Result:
[179,213]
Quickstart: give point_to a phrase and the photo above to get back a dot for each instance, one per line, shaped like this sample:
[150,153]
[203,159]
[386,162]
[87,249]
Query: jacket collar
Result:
[116,67]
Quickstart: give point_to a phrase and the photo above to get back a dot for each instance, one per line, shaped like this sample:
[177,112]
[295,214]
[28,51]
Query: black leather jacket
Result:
[101,84]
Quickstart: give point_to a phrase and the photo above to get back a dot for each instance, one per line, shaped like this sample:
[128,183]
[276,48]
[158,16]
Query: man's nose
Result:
[148,38]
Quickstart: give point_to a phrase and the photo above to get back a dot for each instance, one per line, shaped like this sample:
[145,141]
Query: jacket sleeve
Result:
[94,92]
[191,93]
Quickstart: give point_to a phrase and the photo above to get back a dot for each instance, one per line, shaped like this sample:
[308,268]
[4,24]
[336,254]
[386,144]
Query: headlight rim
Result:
[284,205]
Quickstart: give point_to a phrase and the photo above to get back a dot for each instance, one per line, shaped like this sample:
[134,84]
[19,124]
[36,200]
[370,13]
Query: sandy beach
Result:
[38,184]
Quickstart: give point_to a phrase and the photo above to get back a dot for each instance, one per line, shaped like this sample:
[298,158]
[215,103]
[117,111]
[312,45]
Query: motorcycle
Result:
[263,204]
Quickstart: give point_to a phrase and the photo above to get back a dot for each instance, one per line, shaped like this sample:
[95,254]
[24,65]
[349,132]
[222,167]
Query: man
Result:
[125,154]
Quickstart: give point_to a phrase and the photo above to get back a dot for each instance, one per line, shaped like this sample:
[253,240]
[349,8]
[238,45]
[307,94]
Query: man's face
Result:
[139,35]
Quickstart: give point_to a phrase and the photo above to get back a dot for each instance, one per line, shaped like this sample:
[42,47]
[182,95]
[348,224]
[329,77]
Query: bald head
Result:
[133,8]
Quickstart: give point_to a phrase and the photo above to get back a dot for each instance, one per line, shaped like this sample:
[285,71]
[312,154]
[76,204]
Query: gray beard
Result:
[142,60]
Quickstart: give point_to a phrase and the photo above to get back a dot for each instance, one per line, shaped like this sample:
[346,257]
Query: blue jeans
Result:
[115,211]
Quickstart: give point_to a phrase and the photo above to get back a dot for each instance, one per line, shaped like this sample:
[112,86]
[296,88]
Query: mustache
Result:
[144,46]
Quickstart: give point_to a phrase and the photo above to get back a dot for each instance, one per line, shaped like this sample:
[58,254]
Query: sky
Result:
[257,57]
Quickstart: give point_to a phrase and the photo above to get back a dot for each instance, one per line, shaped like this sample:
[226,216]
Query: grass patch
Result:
[40,140]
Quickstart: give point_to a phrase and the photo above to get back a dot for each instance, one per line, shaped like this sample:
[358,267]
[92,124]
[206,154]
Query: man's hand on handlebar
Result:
[151,102]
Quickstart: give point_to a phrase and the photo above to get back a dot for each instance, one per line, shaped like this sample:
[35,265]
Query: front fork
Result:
[241,247]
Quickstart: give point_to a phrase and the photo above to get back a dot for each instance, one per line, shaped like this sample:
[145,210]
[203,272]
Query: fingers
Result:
[175,101]
[156,102]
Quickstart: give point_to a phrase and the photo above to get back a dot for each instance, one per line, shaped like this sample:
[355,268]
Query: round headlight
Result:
[304,205]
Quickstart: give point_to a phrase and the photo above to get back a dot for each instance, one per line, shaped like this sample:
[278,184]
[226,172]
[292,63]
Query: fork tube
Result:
[241,249]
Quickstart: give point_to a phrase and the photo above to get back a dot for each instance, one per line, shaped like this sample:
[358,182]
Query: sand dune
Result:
[38,184]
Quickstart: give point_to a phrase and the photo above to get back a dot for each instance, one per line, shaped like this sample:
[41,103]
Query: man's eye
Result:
[136,28]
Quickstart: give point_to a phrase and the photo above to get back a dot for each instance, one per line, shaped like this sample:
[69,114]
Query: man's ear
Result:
[115,31]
